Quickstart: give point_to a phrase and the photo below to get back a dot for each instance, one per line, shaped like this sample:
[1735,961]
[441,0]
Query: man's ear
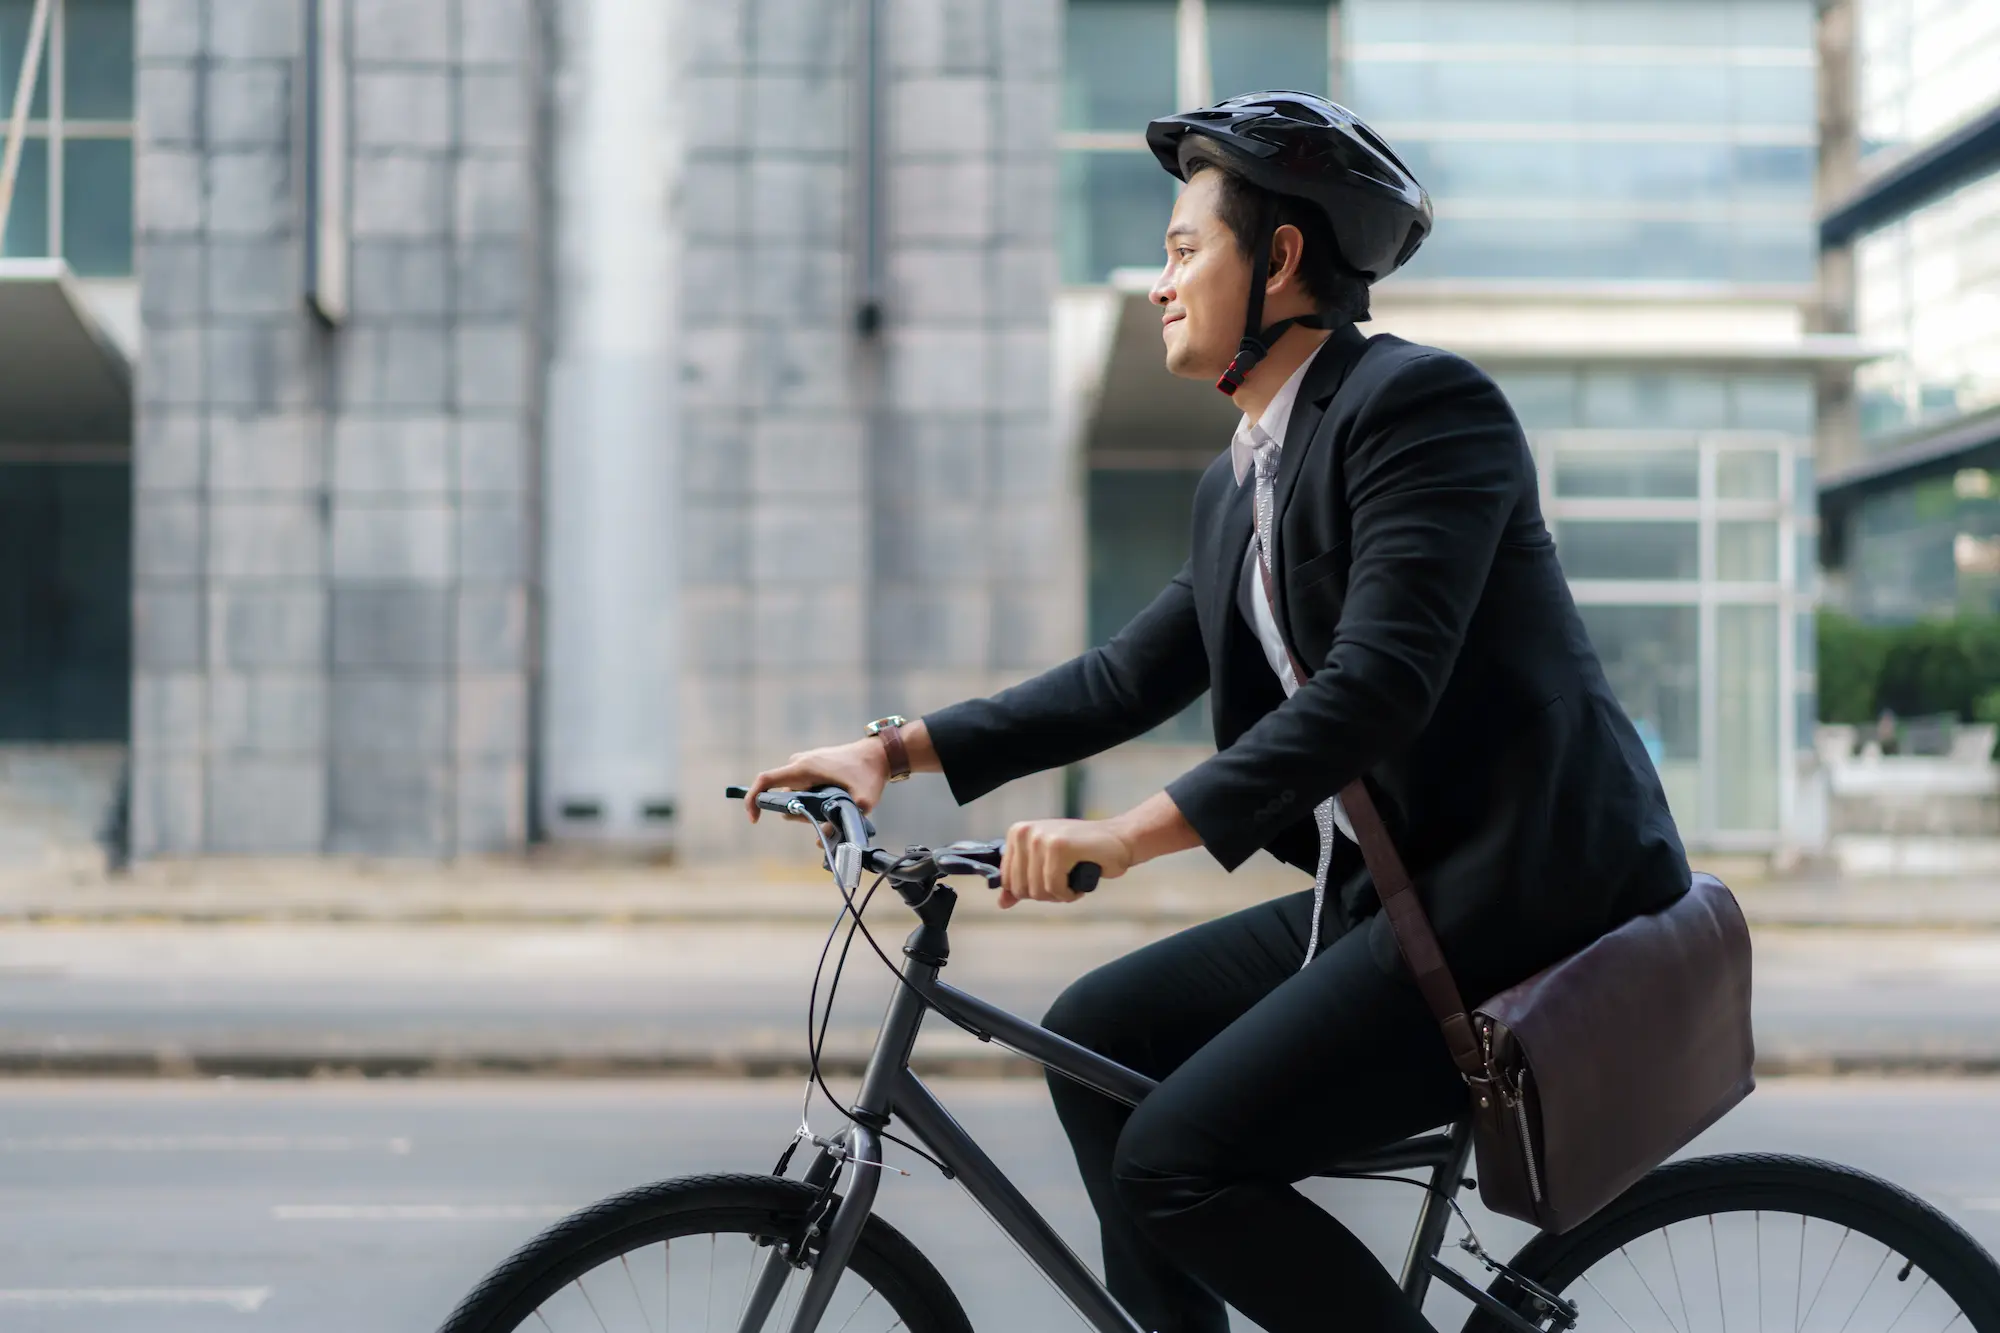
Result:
[1288,248]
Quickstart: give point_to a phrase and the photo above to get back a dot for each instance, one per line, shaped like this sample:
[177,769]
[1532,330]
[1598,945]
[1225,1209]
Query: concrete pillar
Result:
[612,442]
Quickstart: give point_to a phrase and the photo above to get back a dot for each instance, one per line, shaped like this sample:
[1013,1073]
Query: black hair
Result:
[1335,289]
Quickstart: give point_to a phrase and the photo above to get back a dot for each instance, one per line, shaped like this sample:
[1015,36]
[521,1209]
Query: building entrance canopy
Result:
[64,383]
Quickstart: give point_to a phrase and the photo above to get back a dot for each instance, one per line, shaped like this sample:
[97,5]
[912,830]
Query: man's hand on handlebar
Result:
[1041,853]
[861,767]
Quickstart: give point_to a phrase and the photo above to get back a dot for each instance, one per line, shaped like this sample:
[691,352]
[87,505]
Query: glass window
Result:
[1805,490]
[1648,474]
[1808,720]
[1624,399]
[1677,173]
[1139,524]
[1772,23]
[28,220]
[1764,172]
[1746,474]
[1119,64]
[1543,400]
[1747,699]
[65,599]
[1772,94]
[1258,44]
[1746,552]
[1681,94]
[97,206]
[97,59]
[1772,402]
[1806,578]
[1764,251]
[1533,89]
[1654,23]
[15,18]
[1115,208]
[1392,90]
[1805,649]
[1624,549]
[1651,657]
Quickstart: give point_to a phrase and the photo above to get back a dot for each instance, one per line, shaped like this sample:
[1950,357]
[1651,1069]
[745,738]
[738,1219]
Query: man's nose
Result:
[1163,286]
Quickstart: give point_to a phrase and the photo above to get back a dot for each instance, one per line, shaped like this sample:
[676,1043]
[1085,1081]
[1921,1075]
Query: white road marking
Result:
[417,1212]
[399,1147]
[243,1300]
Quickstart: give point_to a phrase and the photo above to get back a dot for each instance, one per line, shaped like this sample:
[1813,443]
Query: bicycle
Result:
[1692,1236]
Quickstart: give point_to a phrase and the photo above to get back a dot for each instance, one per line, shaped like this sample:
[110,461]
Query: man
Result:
[1371,593]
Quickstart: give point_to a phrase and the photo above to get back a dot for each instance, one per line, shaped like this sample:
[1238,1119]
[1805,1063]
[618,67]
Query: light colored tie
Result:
[1266,456]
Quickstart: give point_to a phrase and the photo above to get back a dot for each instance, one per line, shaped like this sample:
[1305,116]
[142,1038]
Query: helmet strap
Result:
[1258,341]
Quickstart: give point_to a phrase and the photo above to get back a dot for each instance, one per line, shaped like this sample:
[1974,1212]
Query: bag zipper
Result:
[1515,1099]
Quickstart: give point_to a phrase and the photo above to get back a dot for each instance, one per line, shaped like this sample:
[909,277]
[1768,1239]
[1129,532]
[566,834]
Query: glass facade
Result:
[1931,548]
[1682,507]
[1928,285]
[73,198]
[1595,141]
[1924,69]
[1123,67]
[1604,142]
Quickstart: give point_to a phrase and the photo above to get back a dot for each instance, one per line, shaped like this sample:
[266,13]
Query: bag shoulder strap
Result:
[1407,918]
[1414,936]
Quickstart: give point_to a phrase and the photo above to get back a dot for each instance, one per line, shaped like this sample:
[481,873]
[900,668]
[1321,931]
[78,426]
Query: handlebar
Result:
[833,805]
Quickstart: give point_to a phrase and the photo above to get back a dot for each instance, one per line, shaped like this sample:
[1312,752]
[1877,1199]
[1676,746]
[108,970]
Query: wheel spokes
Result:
[1837,1286]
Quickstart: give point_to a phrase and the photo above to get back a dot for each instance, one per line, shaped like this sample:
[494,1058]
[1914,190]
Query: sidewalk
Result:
[1180,889]
[287,970]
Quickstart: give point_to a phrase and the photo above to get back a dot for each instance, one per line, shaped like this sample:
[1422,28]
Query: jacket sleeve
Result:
[1433,471]
[1150,671]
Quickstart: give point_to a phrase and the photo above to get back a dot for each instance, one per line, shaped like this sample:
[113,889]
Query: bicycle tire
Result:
[1762,1183]
[689,1206]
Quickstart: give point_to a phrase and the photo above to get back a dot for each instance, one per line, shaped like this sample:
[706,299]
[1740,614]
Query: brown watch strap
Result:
[891,737]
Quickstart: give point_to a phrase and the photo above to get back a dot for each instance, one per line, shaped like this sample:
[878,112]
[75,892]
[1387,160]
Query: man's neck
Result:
[1295,347]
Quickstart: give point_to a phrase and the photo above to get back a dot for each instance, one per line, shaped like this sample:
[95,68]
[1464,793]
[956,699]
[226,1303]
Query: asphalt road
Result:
[310,1207]
[690,992]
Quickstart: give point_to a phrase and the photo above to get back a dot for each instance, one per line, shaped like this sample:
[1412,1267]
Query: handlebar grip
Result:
[1083,876]
[777,802]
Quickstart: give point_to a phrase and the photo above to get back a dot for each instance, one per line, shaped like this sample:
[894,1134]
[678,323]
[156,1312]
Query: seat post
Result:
[1435,1214]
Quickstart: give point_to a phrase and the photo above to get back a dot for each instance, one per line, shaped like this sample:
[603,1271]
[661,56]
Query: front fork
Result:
[828,1260]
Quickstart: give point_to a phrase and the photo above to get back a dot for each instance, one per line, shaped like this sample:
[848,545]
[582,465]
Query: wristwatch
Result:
[889,730]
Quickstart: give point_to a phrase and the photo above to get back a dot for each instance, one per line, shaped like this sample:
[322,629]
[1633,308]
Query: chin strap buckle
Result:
[1248,354]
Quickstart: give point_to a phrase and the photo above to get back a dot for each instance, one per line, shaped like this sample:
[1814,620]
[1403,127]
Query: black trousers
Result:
[1268,1075]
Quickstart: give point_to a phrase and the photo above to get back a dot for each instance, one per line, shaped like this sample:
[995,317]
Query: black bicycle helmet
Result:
[1302,145]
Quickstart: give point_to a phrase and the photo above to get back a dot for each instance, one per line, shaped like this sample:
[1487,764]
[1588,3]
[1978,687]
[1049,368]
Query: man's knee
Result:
[1086,1012]
[1160,1172]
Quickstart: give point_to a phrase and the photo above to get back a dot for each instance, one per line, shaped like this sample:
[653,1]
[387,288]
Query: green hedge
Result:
[1932,666]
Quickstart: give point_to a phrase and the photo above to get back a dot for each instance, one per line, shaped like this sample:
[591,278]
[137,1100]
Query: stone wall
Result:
[336,531]
[334,540]
[885,523]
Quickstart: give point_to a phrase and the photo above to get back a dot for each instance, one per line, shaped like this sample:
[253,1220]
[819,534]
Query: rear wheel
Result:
[1752,1242]
[686,1254]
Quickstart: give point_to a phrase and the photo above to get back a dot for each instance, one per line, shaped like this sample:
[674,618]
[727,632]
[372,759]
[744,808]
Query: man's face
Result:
[1205,287]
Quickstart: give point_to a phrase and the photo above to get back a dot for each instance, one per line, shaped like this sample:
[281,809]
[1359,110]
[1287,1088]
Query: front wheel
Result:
[1752,1242]
[687,1254]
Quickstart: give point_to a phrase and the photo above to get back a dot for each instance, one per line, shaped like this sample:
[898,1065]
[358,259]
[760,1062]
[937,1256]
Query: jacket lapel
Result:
[1239,521]
[1323,380]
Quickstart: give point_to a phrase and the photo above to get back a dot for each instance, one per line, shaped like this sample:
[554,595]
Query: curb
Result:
[997,1064]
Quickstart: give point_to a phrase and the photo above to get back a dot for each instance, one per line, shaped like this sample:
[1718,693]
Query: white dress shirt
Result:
[1251,600]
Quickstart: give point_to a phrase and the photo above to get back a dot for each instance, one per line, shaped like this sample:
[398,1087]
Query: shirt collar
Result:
[1252,435]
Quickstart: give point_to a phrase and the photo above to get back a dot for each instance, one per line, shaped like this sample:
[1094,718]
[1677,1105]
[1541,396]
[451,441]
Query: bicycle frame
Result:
[890,1091]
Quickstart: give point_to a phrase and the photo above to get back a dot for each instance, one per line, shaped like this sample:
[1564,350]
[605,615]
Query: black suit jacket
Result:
[1449,667]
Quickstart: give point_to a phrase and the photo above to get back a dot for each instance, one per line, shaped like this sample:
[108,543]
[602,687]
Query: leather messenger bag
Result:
[1595,1070]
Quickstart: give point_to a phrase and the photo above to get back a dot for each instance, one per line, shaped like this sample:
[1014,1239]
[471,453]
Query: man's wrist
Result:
[1153,828]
